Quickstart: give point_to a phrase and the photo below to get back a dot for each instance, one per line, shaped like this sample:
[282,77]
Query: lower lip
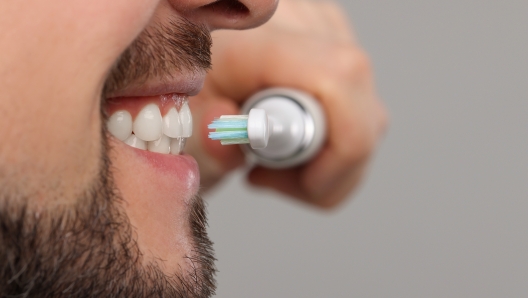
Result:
[182,168]
[159,190]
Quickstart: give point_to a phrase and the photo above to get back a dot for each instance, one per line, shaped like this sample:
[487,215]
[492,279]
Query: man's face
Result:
[81,212]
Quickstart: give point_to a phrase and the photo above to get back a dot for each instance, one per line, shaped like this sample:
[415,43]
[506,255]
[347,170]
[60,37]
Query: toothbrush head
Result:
[252,129]
[230,129]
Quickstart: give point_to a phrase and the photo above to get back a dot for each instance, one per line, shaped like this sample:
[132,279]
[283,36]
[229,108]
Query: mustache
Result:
[159,52]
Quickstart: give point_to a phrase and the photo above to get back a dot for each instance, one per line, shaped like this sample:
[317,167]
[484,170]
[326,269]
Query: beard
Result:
[88,249]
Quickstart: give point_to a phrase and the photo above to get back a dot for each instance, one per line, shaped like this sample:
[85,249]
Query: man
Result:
[82,212]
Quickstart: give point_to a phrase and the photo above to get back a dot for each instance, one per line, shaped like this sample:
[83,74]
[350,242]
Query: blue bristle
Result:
[221,123]
[221,135]
[230,129]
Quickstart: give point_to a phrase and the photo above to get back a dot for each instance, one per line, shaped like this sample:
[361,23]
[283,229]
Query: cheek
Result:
[118,24]
[50,105]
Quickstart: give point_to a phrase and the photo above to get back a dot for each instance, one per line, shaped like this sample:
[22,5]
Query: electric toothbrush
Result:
[278,128]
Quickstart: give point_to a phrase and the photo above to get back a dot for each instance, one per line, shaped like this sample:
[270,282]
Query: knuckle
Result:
[351,62]
[355,147]
[332,7]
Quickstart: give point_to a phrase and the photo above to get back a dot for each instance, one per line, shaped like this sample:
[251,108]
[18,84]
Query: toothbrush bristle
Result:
[224,135]
[230,129]
[234,141]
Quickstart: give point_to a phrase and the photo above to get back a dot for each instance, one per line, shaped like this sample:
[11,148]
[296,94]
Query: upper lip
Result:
[183,83]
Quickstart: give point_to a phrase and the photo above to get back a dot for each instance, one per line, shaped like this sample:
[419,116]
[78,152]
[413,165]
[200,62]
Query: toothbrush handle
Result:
[297,127]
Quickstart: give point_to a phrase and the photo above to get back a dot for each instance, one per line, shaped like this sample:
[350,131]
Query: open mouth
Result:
[159,124]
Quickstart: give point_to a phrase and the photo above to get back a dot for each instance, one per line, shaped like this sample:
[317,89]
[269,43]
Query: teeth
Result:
[177,145]
[172,126]
[120,125]
[150,131]
[148,123]
[186,120]
[162,145]
[135,142]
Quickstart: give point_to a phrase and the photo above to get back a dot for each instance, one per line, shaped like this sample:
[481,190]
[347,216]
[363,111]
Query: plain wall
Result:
[444,211]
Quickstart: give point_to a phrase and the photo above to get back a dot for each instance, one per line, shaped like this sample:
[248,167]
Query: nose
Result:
[227,14]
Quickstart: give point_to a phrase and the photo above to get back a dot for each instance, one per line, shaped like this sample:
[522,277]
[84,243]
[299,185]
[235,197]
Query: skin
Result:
[53,69]
[52,73]
[306,45]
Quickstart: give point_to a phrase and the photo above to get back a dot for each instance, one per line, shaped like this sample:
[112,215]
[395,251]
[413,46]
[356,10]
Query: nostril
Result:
[229,8]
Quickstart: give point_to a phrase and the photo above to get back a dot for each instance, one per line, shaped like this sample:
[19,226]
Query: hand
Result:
[307,45]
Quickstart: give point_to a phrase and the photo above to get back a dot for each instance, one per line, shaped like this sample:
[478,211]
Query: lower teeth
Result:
[177,145]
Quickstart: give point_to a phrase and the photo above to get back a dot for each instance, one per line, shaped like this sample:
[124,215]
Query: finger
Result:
[352,137]
[285,181]
[329,180]
[213,159]
[290,60]
[239,60]
[323,19]
[338,23]
[301,17]
[341,188]
[289,182]
[352,127]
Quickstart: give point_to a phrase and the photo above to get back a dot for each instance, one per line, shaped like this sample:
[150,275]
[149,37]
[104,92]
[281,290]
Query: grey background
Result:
[444,212]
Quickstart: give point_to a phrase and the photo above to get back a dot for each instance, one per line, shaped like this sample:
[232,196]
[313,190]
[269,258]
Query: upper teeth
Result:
[172,126]
[147,125]
[120,125]
[186,119]
[152,131]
